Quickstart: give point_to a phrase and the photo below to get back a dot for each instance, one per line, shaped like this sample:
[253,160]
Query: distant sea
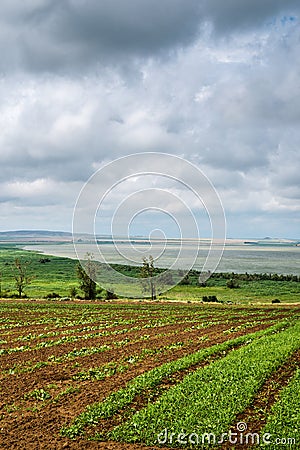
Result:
[263,257]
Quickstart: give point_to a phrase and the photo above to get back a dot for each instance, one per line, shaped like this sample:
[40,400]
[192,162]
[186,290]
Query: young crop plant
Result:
[52,359]
[148,380]
[82,352]
[100,373]
[38,394]
[68,391]
[63,339]
[283,422]
[111,368]
[208,400]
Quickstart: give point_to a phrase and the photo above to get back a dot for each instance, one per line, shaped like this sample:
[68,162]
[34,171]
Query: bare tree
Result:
[21,275]
[86,275]
[148,271]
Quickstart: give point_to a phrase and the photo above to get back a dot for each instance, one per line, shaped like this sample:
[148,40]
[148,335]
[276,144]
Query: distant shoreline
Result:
[237,257]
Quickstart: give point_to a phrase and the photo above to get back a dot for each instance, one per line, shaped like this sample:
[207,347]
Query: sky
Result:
[85,82]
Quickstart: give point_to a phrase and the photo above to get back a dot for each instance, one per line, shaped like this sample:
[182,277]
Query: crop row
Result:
[283,422]
[30,366]
[209,399]
[99,373]
[72,315]
[68,338]
[64,322]
[117,400]
[95,373]
[106,370]
[72,339]
[105,323]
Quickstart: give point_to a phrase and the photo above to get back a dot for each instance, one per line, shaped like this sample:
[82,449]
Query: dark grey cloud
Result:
[77,35]
[231,104]
[237,15]
[67,35]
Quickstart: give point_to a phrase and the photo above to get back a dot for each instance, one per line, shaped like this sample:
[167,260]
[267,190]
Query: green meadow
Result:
[57,274]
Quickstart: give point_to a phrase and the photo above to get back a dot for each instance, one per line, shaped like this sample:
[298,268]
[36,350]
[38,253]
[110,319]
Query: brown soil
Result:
[23,429]
[15,386]
[255,416]
[150,395]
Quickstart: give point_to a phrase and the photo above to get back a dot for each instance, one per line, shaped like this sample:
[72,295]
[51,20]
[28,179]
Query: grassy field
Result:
[140,375]
[59,275]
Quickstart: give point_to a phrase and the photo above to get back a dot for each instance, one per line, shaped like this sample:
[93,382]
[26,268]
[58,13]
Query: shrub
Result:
[44,260]
[210,298]
[52,295]
[232,284]
[73,291]
[110,295]
[18,296]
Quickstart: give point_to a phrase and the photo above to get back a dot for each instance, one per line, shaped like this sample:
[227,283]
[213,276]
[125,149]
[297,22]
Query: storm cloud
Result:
[70,35]
[84,82]
[234,15]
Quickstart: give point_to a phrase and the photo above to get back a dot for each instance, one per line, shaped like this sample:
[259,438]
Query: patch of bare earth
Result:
[34,430]
[22,428]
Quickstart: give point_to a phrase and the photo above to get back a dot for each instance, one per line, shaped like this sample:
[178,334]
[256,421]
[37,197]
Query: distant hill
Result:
[34,236]
[267,241]
[35,233]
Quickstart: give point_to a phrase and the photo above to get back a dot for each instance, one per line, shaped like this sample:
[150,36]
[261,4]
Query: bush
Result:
[52,295]
[110,295]
[210,298]
[73,291]
[5,294]
[232,284]
[44,260]
[18,296]
[276,300]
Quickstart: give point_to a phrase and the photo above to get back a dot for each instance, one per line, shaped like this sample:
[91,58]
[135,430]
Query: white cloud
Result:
[218,86]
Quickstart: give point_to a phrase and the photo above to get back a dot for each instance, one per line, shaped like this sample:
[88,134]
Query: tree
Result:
[86,276]
[22,278]
[148,271]
[73,291]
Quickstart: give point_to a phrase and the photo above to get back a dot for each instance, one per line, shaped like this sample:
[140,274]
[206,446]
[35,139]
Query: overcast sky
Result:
[216,82]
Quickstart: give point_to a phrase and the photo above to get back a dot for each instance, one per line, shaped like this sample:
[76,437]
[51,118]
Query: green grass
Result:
[117,400]
[263,291]
[59,275]
[208,400]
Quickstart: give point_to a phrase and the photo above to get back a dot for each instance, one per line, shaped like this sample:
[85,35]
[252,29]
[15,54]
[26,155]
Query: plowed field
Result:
[58,359]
